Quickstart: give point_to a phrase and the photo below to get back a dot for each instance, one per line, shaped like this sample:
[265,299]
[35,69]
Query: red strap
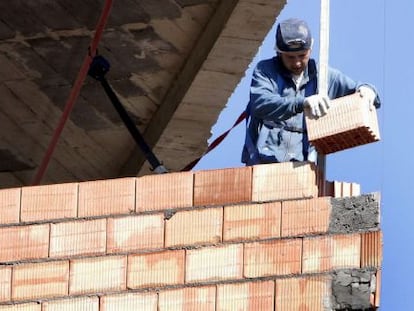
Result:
[216,142]
[75,90]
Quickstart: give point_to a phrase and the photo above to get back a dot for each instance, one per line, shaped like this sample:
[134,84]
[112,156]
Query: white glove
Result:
[368,94]
[318,104]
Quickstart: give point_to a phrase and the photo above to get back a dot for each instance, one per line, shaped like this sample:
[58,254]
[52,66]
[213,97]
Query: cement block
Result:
[352,289]
[355,214]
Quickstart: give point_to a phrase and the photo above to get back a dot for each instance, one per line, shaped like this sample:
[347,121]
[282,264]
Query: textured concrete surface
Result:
[352,289]
[353,214]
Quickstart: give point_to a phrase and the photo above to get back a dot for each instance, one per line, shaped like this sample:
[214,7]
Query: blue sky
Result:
[371,41]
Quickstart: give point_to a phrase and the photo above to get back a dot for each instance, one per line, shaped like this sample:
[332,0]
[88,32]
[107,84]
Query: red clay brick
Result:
[304,217]
[194,227]
[188,298]
[135,232]
[106,197]
[10,205]
[252,221]
[156,269]
[281,181]
[303,293]
[214,263]
[24,242]
[331,252]
[270,258]
[214,187]
[40,280]
[5,283]
[49,202]
[23,307]
[344,189]
[246,296]
[97,274]
[371,249]
[72,304]
[129,302]
[157,192]
[339,189]
[78,238]
[348,124]
[377,294]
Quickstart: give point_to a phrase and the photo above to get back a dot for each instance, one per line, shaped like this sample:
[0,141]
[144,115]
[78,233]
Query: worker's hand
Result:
[367,94]
[318,104]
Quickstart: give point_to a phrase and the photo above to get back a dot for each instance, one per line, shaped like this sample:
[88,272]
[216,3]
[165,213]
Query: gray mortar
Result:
[351,290]
[169,213]
[353,214]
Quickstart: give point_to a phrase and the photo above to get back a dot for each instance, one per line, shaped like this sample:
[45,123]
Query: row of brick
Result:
[157,192]
[197,226]
[290,294]
[176,267]
[340,189]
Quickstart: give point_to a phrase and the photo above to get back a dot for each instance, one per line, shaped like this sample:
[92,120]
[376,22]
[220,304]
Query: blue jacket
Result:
[276,130]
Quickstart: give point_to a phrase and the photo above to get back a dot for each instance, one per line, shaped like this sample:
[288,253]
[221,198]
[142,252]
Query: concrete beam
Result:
[182,83]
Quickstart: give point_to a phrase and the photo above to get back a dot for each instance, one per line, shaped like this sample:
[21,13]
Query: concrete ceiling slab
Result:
[174,65]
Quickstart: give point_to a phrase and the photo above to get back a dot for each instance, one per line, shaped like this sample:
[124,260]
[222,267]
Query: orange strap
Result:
[75,90]
[216,142]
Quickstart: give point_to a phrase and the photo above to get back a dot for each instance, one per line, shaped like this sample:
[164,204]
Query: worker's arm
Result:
[266,103]
[366,90]
[342,85]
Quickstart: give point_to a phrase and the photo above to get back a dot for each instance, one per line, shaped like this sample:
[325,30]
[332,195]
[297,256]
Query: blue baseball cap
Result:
[293,35]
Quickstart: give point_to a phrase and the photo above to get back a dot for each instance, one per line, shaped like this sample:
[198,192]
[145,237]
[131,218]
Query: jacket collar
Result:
[310,70]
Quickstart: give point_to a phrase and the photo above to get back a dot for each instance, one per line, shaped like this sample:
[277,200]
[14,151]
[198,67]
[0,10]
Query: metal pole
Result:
[139,139]
[323,48]
[323,73]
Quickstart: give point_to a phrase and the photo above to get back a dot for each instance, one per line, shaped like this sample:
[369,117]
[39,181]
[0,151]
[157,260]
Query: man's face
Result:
[295,62]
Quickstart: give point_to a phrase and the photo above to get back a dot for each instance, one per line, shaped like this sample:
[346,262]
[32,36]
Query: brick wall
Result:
[251,238]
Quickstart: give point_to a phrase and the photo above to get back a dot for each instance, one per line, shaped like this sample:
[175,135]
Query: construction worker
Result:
[281,88]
